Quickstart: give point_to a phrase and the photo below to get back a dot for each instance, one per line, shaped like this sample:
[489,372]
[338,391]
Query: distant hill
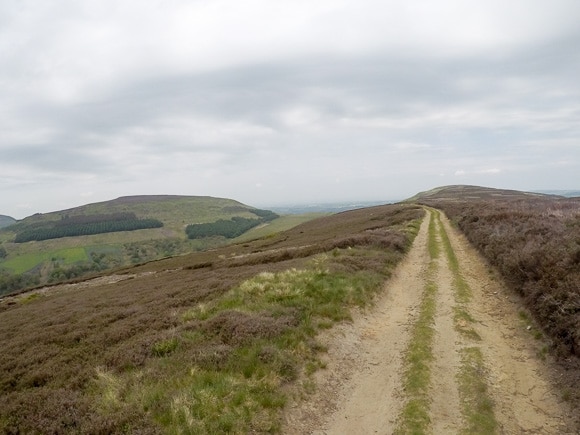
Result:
[456,192]
[330,207]
[174,211]
[50,247]
[566,193]
[6,221]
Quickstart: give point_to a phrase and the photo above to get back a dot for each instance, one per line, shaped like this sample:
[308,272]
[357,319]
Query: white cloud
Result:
[489,171]
[412,146]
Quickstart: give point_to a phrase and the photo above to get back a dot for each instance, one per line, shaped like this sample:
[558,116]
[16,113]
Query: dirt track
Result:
[362,389]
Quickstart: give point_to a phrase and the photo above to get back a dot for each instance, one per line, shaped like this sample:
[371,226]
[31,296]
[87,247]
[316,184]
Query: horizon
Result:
[285,102]
[280,205]
[322,204]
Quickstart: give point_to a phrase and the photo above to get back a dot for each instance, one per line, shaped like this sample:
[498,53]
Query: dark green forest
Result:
[84,226]
[230,228]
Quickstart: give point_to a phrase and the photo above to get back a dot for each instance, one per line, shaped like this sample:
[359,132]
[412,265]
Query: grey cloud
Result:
[257,93]
[315,116]
[337,88]
[56,158]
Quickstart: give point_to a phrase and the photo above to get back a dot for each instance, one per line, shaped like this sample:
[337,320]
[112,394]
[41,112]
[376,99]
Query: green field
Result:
[24,263]
[281,224]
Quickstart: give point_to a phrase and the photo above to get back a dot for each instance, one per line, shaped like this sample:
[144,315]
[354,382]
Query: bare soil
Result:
[361,389]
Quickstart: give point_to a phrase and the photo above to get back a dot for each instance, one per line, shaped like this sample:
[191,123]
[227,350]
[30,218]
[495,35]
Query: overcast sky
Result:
[278,102]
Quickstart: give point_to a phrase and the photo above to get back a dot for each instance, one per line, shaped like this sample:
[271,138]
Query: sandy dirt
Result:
[361,390]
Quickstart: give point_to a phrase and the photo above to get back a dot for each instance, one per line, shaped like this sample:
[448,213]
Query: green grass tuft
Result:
[165,347]
[477,406]
[433,245]
[415,415]
[462,290]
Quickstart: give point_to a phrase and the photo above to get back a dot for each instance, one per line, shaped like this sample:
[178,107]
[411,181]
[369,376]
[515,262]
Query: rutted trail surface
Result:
[360,391]
[364,386]
[525,401]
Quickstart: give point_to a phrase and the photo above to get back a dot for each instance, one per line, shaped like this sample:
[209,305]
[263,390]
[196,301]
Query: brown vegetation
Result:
[71,355]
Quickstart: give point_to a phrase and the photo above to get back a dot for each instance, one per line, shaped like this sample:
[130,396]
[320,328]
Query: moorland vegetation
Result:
[221,340]
[209,342]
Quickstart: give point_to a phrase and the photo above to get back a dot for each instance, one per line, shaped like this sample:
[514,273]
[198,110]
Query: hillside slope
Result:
[461,192]
[6,221]
[225,340]
[98,238]
[202,343]
[173,210]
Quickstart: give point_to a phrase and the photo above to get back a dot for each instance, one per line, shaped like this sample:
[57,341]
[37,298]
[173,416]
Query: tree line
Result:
[230,228]
[67,220]
[10,283]
[77,226]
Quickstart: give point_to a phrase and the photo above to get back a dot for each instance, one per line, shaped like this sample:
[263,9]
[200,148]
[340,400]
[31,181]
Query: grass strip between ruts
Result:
[414,417]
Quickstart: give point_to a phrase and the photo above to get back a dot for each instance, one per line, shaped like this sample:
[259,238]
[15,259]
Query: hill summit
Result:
[468,192]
